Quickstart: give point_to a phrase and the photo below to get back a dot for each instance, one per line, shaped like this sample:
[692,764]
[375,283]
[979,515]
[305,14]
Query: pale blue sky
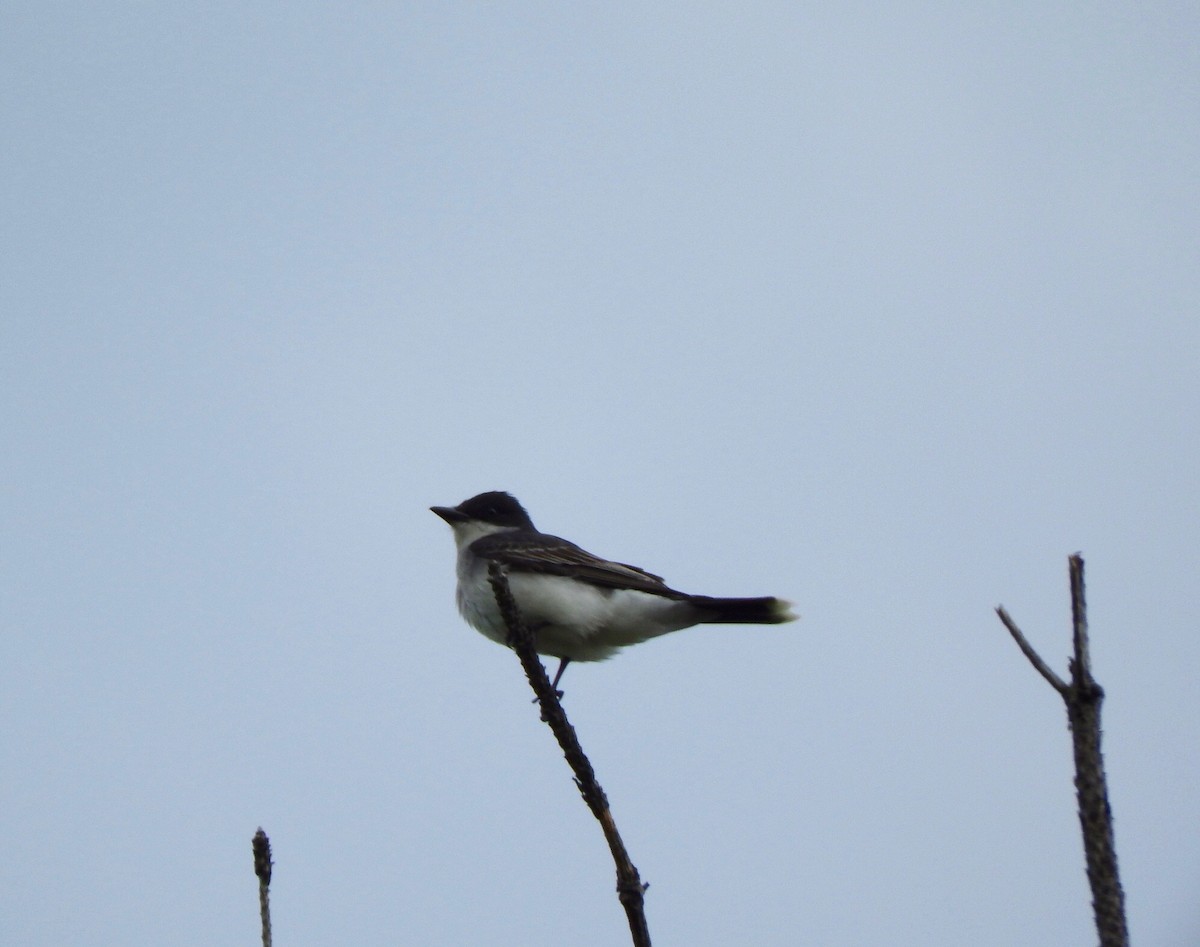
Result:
[885,311]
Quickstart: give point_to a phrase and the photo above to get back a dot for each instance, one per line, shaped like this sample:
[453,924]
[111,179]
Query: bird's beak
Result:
[449,514]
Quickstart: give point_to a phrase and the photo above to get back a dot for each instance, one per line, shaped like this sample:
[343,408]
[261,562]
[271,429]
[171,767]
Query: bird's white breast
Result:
[570,618]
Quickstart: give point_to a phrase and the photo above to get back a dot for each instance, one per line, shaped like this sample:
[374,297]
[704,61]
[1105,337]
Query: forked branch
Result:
[1083,697]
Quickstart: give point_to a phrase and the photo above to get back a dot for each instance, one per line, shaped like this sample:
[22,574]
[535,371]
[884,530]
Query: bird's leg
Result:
[562,666]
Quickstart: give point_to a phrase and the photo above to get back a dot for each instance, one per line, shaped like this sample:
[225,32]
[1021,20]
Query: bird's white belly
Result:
[571,619]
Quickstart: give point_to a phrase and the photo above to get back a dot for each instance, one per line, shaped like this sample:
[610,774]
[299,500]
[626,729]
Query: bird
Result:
[579,606]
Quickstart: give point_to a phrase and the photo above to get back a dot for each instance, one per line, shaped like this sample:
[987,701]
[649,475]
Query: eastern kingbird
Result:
[579,607]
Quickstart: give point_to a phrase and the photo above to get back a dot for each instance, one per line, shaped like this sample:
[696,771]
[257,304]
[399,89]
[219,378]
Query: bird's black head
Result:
[495,507]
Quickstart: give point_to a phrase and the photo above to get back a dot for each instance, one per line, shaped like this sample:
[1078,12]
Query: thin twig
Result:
[1083,697]
[1079,630]
[630,888]
[262,867]
[1035,659]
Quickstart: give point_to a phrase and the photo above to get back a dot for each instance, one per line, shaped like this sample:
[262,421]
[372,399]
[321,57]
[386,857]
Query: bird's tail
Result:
[744,611]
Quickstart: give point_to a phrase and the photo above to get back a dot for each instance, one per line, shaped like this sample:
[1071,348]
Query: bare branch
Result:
[262,867]
[1027,649]
[630,888]
[1091,784]
[1083,697]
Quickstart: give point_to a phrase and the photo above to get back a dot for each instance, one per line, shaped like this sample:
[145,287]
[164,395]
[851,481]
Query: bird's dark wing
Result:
[552,555]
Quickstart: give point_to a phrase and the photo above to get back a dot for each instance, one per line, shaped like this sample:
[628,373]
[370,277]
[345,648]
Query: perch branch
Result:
[630,889]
